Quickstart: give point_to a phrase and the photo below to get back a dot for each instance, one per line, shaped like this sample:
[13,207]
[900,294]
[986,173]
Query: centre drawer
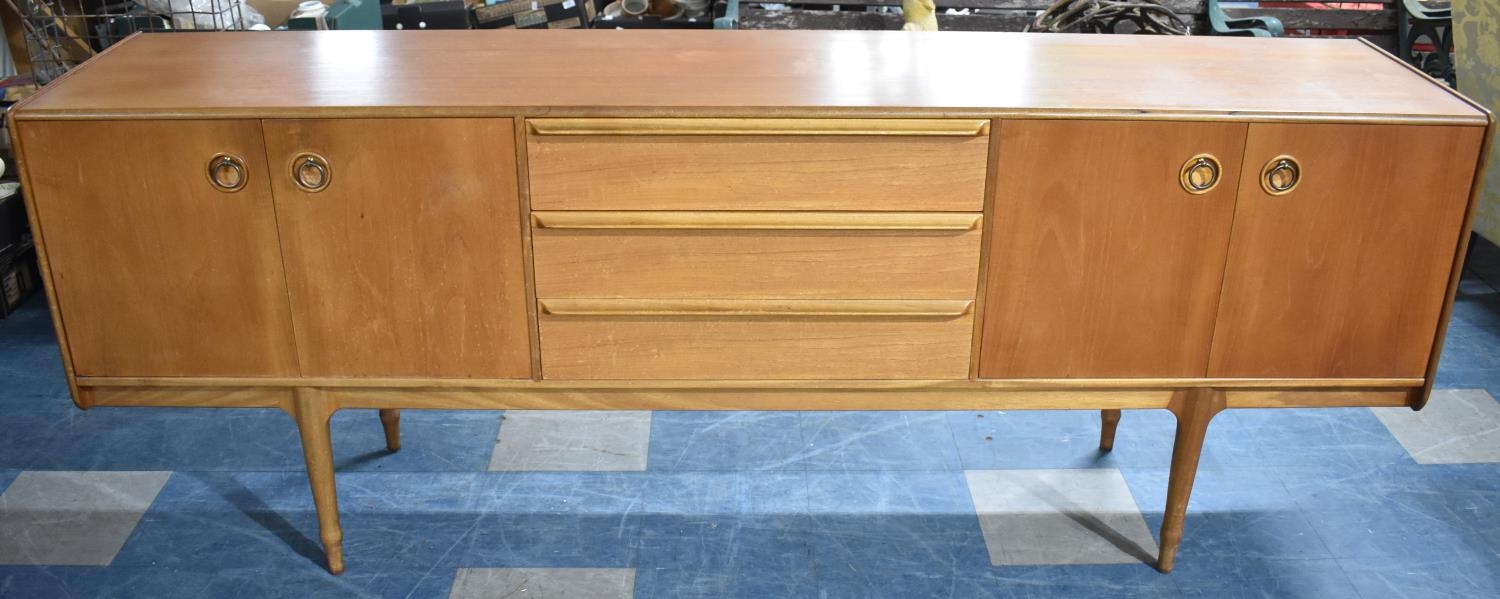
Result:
[757,164]
[755,339]
[785,255]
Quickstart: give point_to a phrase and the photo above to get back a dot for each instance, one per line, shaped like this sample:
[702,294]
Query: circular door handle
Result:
[226,172]
[311,172]
[1281,175]
[1199,174]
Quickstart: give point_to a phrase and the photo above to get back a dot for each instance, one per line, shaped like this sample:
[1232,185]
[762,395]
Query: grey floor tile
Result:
[73,518]
[1041,517]
[1458,426]
[543,583]
[538,440]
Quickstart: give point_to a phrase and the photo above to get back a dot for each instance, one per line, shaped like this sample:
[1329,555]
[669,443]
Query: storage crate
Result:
[19,276]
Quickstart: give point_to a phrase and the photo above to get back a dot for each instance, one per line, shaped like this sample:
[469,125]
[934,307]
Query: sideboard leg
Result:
[311,409]
[1109,420]
[391,420]
[1194,409]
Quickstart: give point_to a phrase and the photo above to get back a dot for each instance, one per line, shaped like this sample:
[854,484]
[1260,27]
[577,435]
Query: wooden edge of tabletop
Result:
[1487,116]
[848,112]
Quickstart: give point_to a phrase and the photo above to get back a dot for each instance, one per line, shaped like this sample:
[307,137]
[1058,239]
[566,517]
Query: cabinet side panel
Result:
[1345,275]
[155,271]
[409,262]
[43,264]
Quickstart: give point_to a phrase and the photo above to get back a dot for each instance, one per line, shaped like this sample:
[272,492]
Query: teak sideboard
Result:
[748,221]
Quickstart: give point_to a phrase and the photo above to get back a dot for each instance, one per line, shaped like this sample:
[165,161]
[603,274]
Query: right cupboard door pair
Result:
[1103,263]
[1343,276]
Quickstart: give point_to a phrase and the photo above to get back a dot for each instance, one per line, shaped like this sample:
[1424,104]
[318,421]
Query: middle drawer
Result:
[776,255]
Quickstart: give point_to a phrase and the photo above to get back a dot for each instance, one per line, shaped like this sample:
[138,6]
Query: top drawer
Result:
[758,164]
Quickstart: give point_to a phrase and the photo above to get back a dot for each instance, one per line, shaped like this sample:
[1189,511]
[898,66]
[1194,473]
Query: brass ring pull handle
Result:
[226,172]
[1199,174]
[310,172]
[1281,175]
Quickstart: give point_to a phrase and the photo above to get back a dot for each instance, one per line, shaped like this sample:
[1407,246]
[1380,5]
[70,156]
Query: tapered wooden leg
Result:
[311,409]
[1194,409]
[1109,420]
[391,420]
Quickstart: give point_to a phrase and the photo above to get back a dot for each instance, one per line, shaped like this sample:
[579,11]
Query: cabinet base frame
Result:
[311,402]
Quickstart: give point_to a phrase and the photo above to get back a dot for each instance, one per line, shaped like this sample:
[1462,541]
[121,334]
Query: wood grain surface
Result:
[1345,275]
[409,263]
[716,73]
[712,347]
[1100,263]
[756,264]
[772,172]
[156,272]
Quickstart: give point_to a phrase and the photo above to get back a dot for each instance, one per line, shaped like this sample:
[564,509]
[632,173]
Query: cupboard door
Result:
[1344,275]
[1101,262]
[156,272]
[402,240]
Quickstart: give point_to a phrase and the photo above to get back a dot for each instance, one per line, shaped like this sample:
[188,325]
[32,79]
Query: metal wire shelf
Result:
[61,34]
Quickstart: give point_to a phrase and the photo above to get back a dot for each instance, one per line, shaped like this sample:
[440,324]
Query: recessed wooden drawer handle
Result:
[226,172]
[311,172]
[1281,175]
[898,127]
[816,221]
[757,308]
[1200,174]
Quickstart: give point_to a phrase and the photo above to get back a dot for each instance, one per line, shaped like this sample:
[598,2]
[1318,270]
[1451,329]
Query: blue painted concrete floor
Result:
[1302,503]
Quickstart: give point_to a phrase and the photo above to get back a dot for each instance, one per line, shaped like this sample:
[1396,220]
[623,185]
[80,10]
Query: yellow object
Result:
[1477,44]
[920,15]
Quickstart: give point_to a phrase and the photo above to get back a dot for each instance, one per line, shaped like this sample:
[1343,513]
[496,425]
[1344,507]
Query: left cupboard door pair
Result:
[382,247]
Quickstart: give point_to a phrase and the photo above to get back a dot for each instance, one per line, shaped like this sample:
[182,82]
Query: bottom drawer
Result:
[748,339]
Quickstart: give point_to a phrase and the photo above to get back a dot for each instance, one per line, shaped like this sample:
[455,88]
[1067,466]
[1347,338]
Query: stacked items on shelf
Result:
[533,14]
[19,277]
[655,14]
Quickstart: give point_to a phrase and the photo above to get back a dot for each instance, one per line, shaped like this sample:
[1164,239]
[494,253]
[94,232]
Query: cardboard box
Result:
[535,14]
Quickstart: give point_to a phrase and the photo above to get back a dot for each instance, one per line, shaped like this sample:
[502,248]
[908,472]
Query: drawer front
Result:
[756,255]
[757,164]
[745,339]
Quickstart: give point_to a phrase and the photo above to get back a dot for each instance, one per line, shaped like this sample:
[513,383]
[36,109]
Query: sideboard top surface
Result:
[731,73]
